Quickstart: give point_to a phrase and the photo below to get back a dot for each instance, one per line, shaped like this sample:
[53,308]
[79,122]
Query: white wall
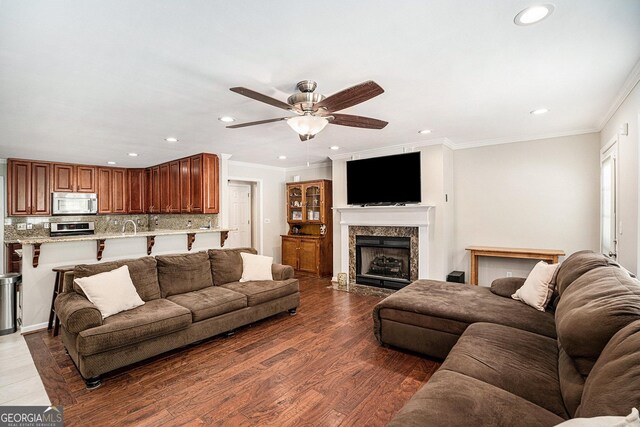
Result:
[311,172]
[273,196]
[532,194]
[629,112]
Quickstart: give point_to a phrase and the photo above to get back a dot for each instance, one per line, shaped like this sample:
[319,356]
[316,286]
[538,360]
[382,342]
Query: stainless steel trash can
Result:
[8,284]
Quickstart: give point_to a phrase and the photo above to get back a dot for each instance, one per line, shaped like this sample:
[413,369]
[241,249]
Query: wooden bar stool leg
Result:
[53,298]
[59,285]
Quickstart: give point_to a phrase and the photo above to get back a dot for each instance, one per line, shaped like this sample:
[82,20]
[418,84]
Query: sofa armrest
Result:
[507,286]
[282,272]
[76,313]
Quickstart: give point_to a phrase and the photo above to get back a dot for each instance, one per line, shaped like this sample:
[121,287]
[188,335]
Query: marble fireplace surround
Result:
[416,216]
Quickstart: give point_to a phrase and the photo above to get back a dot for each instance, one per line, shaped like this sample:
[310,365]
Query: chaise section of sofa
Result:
[188,298]
[499,375]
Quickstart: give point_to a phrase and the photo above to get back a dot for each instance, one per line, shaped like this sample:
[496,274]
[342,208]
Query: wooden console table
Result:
[549,255]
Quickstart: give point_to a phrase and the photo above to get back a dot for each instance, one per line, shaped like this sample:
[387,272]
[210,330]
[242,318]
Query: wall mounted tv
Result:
[384,180]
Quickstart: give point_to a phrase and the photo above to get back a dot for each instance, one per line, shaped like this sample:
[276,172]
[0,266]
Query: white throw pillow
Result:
[631,420]
[112,292]
[537,287]
[256,267]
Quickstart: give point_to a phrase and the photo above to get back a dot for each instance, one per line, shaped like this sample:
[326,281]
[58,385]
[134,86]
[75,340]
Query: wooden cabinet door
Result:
[196,184]
[210,183]
[308,256]
[105,190]
[290,251]
[165,197]
[85,178]
[40,188]
[174,187]
[19,187]
[136,190]
[185,185]
[313,202]
[154,190]
[63,177]
[119,191]
[295,203]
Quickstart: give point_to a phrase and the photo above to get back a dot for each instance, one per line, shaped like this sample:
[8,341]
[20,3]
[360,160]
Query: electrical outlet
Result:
[46,225]
[267,221]
[509,274]
[21,227]
[29,226]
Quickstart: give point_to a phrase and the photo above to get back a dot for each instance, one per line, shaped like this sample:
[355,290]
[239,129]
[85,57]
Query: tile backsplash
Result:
[107,223]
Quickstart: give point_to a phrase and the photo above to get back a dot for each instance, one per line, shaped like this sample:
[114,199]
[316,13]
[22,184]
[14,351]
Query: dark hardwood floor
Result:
[322,367]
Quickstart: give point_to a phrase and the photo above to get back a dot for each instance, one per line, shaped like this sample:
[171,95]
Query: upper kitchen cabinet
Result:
[28,187]
[136,190]
[205,191]
[112,191]
[74,178]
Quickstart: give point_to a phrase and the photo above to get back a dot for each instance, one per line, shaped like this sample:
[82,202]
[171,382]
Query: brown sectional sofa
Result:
[509,364]
[188,297]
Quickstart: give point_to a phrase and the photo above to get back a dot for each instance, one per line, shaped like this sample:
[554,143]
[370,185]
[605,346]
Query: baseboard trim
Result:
[33,328]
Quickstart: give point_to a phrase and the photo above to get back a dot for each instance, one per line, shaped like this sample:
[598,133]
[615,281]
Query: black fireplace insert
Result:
[383,261]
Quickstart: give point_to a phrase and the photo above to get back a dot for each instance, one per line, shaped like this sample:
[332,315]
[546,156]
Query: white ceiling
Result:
[91,80]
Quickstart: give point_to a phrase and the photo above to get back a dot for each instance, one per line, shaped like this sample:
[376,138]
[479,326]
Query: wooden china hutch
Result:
[308,246]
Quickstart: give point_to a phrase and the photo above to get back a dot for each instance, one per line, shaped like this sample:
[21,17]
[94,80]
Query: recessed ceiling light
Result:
[424,131]
[539,111]
[533,14]
[334,147]
[171,139]
[133,154]
[282,157]
[111,163]
[226,119]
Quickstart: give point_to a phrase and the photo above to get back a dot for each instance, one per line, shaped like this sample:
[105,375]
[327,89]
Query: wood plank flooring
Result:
[322,367]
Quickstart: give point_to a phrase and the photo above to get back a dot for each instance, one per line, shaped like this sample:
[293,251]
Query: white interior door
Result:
[240,215]
[608,199]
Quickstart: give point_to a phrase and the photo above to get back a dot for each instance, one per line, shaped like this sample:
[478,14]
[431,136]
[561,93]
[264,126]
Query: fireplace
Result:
[383,261]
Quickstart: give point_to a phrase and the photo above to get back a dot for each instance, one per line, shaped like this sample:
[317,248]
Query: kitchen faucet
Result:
[124,226]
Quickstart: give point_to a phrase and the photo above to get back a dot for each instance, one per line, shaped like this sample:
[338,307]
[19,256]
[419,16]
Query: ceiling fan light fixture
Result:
[307,124]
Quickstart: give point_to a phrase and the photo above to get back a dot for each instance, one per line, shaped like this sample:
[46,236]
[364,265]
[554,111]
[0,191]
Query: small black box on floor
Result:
[456,277]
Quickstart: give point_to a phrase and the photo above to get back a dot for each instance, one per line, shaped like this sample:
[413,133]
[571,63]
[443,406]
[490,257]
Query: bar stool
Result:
[57,288]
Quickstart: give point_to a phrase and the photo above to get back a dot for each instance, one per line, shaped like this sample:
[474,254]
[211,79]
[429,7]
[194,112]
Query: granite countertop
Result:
[32,240]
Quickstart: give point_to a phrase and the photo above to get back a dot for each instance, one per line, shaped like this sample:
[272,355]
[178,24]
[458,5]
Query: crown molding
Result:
[629,84]
[510,139]
[311,166]
[256,166]
[391,149]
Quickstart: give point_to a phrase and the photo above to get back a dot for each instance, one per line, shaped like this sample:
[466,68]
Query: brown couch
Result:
[188,297]
[509,364]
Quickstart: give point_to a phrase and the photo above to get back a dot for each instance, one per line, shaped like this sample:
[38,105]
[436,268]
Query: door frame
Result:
[611,144]
[257,201]
[252,216]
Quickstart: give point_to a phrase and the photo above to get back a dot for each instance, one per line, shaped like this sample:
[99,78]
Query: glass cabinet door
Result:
[312,201]
[295,203]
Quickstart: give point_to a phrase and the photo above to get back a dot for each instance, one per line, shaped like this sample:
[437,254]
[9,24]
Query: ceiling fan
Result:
[314,111]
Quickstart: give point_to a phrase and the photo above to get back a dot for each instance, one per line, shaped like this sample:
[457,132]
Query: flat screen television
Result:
[384,180]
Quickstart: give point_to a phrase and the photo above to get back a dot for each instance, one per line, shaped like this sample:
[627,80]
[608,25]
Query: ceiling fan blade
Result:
[262,98]
[259,122]
[350,96]
[357,121]
[305,137]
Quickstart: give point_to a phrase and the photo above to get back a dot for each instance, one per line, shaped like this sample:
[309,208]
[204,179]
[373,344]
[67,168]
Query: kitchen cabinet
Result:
[153,188]
[28,187]
[164,188]
[309,245]
[174,187]
[112,191]
[136,190]
[73,178]
[185,185]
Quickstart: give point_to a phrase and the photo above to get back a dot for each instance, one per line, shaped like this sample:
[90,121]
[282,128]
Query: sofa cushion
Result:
[142,271]
[507,286]
[520,362]
[592,310]
[256,267]
[265,290]
[210,302]
[613,386]
[155,318]
[571,382]
[183,273]
[226,264]
[462,304]
[538,288]
[576,265]
[453,399]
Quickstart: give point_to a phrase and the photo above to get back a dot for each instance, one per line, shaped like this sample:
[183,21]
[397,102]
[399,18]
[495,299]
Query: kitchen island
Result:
[41,254]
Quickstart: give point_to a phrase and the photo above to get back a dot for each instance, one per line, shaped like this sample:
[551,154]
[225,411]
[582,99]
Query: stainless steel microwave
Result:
[74,203]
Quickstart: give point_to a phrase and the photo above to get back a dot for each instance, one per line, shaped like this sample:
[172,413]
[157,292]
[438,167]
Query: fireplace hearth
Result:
[383,261]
